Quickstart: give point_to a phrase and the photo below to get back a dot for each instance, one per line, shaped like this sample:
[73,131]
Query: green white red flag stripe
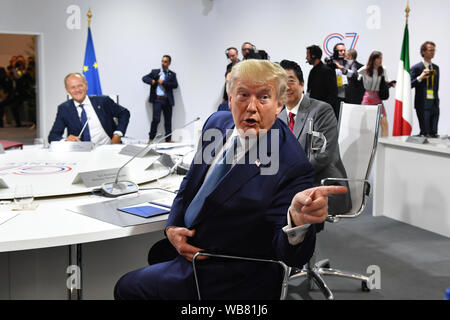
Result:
[403,106]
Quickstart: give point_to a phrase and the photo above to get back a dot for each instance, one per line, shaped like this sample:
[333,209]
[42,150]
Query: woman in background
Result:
[371,75]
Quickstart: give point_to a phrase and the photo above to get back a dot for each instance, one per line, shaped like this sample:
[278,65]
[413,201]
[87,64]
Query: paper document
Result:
[164,202]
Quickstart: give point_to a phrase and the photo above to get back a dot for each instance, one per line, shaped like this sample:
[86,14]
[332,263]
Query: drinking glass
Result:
[23,196]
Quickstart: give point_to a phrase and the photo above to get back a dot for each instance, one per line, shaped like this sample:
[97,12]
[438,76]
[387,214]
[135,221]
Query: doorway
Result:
[18,97]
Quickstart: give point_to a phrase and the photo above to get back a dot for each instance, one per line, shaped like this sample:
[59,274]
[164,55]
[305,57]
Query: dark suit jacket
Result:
[169,84]
[106,110]
[223,106]
[327,164]
[421,87]
[244,216]
[322,84]
[354,92]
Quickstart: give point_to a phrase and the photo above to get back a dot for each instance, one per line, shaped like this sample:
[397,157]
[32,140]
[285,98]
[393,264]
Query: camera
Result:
[329,61]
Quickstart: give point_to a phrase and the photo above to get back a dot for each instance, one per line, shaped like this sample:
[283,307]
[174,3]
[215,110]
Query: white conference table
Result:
[411,183]
[54,173]
[53,223]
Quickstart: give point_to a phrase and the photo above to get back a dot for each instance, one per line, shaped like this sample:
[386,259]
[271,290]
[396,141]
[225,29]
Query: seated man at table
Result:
[88,118]
[250,202]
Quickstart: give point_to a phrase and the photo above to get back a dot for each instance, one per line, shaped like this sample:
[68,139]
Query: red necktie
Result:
[291,121]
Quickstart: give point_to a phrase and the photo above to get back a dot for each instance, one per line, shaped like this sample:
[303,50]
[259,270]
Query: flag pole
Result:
[89,15]
[407,10]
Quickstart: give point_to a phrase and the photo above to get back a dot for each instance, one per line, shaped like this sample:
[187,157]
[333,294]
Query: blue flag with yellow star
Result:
[90,68]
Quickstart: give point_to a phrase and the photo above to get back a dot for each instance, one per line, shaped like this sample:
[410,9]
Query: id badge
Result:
[339,81]
[430,94]
[344,80]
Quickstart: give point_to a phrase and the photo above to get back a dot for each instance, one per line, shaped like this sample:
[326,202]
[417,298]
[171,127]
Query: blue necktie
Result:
[220,169]
[86,135]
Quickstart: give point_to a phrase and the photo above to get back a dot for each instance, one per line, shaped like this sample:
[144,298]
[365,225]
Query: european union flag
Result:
[90,68]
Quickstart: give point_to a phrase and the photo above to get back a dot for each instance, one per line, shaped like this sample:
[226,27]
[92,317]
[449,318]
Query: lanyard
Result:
[432,79]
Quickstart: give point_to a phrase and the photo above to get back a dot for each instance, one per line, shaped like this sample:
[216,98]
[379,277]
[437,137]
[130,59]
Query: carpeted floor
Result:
[413,263]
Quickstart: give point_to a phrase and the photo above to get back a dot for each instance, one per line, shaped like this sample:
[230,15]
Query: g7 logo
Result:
[332,39]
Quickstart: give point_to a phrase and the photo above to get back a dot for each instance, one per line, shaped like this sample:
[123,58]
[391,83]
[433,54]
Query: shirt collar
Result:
[294,110]
[86,101]
[426,64]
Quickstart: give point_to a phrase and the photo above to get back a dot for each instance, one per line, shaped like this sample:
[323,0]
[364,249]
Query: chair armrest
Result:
[286,269]
[366,194]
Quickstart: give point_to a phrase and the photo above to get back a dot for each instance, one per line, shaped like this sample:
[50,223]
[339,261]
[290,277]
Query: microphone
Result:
[119,188]
[84,127]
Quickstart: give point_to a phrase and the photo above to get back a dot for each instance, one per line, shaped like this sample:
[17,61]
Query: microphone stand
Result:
[119,188]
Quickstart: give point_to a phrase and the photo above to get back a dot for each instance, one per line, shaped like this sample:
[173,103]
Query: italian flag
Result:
[403,108]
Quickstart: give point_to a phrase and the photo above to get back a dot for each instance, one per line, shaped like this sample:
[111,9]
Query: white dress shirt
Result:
[98,134]
[294,110]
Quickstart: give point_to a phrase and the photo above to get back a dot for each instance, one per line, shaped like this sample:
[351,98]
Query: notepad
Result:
[145,210]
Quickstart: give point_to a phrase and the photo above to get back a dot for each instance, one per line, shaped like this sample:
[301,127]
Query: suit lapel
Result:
[302,115]
[241,173]
[73,114]
[200,170]
[98,110]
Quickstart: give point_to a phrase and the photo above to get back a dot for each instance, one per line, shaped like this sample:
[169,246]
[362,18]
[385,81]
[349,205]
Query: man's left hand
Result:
[116,139]
[311,205]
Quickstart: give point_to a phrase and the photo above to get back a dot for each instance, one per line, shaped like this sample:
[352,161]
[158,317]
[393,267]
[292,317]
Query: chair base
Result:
[314,276]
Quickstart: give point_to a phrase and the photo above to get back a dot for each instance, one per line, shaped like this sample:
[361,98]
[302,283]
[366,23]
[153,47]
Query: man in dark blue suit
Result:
[245,194]
[98,111]
[162,82]
[425,78]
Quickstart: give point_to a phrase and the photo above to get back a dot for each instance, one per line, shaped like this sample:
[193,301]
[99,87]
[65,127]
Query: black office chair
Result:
[284,268]
[358,137]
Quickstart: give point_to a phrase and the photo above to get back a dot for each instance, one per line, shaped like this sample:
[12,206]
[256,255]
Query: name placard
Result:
[165,160]
[419,140]
[132,150]
[70,146]
[96,178]
[3,184]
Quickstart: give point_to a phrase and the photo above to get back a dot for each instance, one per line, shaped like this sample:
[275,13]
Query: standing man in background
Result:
[344,69]
[425,78]
[233,55]
[162,81]
[354,92]
[322,83]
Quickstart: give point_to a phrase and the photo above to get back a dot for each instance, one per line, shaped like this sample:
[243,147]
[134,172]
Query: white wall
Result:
[131,36]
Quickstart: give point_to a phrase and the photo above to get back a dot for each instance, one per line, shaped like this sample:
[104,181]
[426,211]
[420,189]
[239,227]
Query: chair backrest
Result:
[358,137]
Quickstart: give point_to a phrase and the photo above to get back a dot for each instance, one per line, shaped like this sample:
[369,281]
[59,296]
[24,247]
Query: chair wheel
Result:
[364,287]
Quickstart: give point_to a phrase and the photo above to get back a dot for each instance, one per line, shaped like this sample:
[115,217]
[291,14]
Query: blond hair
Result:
[259,72]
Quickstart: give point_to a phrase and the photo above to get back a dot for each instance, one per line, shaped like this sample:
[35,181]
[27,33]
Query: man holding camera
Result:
[345,69]
[425,78]
[162,81]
